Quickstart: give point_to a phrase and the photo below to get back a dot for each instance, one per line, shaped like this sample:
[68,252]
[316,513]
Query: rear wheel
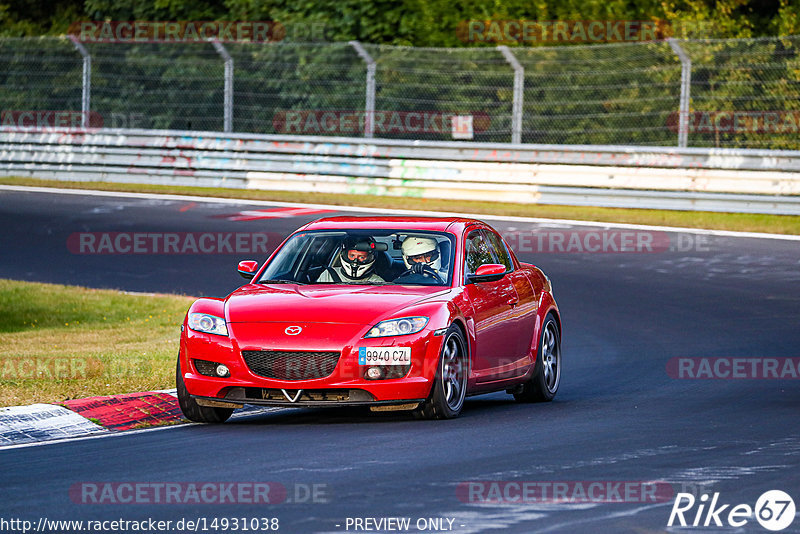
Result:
[192,410]
[543,385]
[450,386]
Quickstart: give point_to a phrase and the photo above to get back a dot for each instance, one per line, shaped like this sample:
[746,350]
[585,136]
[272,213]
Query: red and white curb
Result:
[82,417]
[20,425]
[129,411]
[41,422]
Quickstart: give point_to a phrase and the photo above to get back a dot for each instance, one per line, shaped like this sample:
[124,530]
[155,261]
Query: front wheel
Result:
[192,410]
[450,386]
[543,385]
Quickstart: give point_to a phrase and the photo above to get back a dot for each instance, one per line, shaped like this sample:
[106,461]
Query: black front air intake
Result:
[291,365]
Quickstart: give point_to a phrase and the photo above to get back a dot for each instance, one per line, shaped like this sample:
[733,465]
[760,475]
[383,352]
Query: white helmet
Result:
[357,269]
[423,250]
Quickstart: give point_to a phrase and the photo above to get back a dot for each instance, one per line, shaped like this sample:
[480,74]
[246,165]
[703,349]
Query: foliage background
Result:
[584,94]
[410,22]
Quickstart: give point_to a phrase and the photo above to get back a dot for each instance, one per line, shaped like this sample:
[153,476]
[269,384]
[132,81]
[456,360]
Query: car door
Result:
[496,346]
[523,320]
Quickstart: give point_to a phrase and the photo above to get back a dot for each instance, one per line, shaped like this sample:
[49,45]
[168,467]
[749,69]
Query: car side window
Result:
[500,251]
[477,251]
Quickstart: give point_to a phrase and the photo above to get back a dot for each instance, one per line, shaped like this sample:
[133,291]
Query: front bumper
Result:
[346,385]
[236,397]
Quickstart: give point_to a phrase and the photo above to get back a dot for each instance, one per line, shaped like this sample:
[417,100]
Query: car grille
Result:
[291,365]
[309,395]
[302,397]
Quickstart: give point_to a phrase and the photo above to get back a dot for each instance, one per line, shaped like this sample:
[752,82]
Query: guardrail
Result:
[736,180]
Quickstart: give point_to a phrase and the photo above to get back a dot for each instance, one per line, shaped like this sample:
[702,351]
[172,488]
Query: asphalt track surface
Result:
[618,416]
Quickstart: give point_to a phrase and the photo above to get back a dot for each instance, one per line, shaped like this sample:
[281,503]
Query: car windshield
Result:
[363,257]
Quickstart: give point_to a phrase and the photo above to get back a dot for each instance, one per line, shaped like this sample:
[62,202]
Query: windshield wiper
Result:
[281,282]
[331,282]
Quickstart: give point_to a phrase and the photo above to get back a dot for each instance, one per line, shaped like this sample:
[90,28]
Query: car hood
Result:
[363,305]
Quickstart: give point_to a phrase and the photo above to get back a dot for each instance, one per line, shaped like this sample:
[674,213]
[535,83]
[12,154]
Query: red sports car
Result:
[395,313]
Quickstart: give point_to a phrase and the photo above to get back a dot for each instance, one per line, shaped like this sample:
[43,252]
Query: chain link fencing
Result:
[738,93]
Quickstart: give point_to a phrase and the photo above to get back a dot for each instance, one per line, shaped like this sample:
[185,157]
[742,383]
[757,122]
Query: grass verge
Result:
[65,342]
[742,222]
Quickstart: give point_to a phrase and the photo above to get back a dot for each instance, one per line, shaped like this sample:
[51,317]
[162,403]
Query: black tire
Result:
[192,410]
[543,384]
[450,386]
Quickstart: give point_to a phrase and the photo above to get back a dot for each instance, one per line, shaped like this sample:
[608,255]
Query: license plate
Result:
[384,356]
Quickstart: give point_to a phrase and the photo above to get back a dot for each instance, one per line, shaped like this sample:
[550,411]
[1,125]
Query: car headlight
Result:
[210,324]
[398,327]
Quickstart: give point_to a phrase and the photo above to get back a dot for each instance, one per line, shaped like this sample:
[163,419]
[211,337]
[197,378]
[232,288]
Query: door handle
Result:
[513,301]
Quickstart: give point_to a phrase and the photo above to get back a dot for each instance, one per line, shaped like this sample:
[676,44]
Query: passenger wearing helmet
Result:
[356,262]
[421,256]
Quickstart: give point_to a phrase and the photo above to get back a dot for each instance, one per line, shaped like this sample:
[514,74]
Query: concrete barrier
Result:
[755,181]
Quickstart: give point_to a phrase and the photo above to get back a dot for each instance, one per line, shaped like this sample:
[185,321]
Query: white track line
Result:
[92,436]
[121,433]
[384,211]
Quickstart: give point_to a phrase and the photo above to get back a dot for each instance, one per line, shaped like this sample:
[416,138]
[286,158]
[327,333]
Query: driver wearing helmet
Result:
[356,263]
[421,256]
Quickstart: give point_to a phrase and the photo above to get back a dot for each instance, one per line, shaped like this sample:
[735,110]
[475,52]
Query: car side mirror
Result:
[248,268]
[488,272]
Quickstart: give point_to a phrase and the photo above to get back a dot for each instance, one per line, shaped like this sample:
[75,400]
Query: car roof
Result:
[435,224]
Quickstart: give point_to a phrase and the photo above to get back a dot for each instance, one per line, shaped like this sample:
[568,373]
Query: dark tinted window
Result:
[499,250]
[478,250]
[309,258]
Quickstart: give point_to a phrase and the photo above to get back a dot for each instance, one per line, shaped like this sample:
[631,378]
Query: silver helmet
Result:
[418,249]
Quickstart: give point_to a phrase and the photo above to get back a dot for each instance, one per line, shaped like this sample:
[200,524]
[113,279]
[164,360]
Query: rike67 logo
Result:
[774,510]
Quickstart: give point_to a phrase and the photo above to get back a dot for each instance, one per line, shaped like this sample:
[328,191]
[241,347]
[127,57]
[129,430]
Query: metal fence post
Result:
[86,91]
[228,97]
[369,106]
[519,85]
[686,87]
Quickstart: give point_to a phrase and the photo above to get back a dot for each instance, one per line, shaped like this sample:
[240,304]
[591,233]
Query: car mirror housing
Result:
[488,272]
[248,268]
[366,247]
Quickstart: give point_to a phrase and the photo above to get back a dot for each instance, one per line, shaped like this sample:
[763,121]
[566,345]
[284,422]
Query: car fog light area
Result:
[374,373]
[385,372]
[207,368]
